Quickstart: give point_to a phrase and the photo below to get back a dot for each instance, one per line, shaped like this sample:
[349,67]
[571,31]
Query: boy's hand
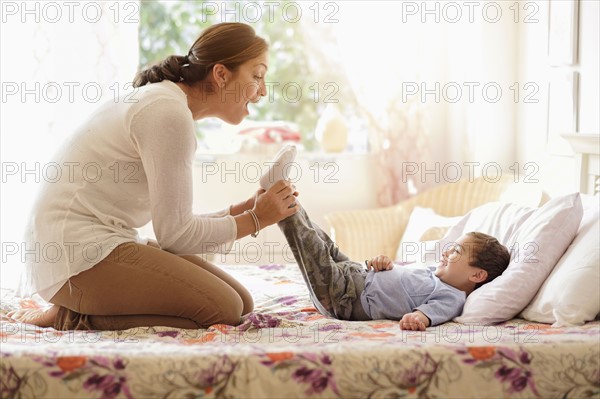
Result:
[380,263]
[416,321]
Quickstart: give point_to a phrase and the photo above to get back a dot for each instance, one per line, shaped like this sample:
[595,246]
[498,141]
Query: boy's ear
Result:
[479,276]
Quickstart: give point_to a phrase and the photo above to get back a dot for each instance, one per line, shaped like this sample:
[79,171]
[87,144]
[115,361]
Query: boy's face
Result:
[454,268]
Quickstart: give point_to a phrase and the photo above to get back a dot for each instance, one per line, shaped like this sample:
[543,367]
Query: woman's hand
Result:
[275,204]
[380,263]
[242,207]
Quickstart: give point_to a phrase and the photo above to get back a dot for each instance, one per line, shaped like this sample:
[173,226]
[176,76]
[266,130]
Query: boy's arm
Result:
[441,308]
[416,320]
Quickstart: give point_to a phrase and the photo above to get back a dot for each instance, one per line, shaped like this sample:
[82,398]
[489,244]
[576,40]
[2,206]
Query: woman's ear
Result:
[479,276]
[221,75]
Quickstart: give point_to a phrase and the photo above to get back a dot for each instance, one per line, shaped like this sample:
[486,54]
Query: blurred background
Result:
[384,99]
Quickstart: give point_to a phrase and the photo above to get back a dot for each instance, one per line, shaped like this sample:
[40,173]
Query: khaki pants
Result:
[141,285]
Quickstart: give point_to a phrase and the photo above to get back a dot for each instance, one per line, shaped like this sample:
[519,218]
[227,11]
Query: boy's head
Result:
[473,260]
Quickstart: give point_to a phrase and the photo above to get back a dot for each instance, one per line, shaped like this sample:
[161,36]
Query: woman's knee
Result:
[232,313]
[244,294]
[246,298]
[230,316]
[248,304]
[231,319]
[227,310]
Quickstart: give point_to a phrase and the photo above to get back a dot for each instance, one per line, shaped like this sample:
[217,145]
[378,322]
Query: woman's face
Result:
[246,85]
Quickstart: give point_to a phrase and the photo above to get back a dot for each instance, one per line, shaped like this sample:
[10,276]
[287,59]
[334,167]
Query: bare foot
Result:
[38,317]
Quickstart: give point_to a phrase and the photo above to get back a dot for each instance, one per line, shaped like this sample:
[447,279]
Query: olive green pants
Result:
[334,282]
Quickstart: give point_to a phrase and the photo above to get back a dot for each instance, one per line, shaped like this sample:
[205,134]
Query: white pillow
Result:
[570,295]
[420,239]
[536,237]
[497,219]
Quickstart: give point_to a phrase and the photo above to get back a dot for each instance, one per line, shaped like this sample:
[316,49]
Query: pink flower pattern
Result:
[286,347]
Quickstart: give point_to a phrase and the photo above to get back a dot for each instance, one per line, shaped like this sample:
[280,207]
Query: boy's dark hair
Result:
[488,254]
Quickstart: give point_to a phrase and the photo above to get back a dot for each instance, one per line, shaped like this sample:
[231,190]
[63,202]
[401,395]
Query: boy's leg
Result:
[330,284]
[334,250]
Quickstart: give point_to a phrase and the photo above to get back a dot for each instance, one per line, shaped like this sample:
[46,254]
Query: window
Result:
[304,72]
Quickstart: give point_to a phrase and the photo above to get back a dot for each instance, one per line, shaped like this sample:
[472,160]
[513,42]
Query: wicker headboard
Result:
[587,151]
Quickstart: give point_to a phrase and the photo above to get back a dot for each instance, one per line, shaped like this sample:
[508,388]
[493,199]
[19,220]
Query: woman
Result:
[131,163]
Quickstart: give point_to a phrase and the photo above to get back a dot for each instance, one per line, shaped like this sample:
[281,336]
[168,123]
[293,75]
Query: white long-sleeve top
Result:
[129,163]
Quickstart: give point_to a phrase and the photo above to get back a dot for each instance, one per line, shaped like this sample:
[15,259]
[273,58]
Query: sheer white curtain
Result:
[381,56]
[59,61]
[388,52]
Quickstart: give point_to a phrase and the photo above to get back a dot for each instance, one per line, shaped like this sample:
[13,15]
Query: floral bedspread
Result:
[285,348]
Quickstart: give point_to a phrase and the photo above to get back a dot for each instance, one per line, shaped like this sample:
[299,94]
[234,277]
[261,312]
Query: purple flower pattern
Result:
[287,346]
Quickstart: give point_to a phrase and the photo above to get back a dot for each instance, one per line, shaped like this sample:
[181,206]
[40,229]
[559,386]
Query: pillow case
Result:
[536,238]
[570,295]
[419,242]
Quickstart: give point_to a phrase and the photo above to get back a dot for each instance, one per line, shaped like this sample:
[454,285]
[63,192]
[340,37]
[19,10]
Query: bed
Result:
[285,348]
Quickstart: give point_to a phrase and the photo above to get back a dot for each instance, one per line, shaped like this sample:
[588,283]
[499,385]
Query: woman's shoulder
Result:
[160,100]
[165,91]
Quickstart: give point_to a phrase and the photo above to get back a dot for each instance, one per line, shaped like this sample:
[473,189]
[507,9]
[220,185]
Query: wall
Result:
[58,64]
[476,51]
[556,171]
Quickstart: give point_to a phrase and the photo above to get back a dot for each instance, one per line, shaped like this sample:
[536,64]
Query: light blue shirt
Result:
[392,293]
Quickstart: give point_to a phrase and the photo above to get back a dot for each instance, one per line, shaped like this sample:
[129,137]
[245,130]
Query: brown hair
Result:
[227,43]
[488,254]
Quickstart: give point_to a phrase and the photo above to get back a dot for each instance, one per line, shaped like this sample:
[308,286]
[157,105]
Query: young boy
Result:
[418,297]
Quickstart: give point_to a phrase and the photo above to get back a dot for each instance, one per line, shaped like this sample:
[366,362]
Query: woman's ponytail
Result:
[227,43]
[167,69]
